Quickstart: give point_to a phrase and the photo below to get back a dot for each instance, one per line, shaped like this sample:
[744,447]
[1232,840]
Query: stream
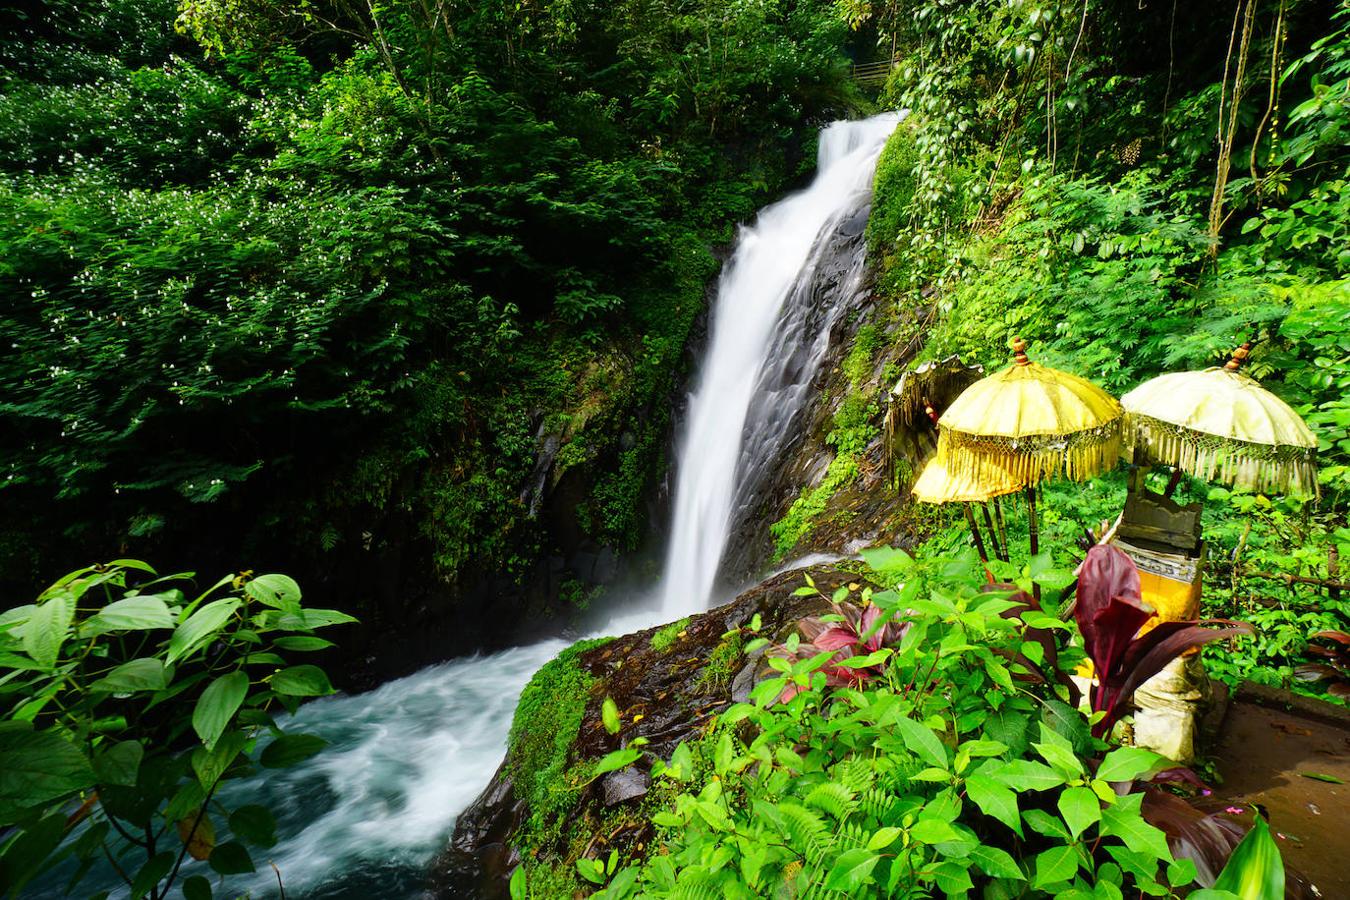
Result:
[364,817]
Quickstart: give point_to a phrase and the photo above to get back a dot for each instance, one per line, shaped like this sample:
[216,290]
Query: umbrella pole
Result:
[999,551]
[1002,530]
[975,533]
[1034,538]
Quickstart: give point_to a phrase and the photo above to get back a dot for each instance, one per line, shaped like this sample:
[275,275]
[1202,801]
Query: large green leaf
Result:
[933,831]
[211,764]
[197,888]
[302,643]
[13,620]
[609,715]
[995,800]
[290,749]
[301,681]
[145,674]
[150,874]
[279,591]
[231,858]
[1122,819]
[47,629]
[200,628]
[217,706]
[1061,757]
[25,855]
[996,863]
[619,759]
[1128,763]
[1255,871]
[119,764]
[255,824]
[37,767]
[309,619]
[851,870]
[1080,808]
[922,741]
[130,614]
[1055,865]
[1028,775]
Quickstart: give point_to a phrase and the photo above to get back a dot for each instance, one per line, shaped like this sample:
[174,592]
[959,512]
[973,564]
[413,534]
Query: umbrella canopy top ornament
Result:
[1030,422]
[1221,425]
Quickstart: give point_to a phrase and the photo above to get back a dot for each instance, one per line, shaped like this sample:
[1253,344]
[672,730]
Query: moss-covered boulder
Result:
[545,807]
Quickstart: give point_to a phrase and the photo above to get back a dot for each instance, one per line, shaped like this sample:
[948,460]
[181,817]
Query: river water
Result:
[363,818]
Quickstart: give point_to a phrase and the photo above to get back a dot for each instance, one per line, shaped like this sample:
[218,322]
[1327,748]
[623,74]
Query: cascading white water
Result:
[363,818]
[771,256]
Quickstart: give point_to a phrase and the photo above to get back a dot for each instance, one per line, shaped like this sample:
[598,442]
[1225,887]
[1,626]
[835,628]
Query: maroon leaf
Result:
[811,627]
[835,638]
[1338,636]
[1178,775]
[1105,574]
[1314,672]
[1109,614]
[1114,628]
[1177,641]
[1205,840]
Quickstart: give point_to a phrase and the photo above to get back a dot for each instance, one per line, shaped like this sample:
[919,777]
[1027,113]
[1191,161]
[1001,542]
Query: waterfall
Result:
[764,294]
[363,817]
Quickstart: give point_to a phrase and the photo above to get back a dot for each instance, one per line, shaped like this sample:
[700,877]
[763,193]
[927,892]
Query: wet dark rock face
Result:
[664,695]
[864,513]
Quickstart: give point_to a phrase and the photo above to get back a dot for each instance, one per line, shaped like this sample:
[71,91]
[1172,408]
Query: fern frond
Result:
[806,831]
[833,798]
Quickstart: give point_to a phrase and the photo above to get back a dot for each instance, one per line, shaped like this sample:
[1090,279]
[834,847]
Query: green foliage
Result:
[1255,869]
[857,364]
[723,663]
[802,515]
[959,769]
[893,190]
[1058,198]
[665,637]
[543,730]
[375,256]
[126,704]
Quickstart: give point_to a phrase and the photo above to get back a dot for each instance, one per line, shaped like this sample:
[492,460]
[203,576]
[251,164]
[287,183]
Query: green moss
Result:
[801,517]
[548,882]
[662,640]
[892,191]
[545,726]
[855,424]
[857,365]
[722,664]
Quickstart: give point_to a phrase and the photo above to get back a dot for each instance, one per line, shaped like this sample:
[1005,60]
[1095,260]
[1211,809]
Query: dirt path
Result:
[1264,756]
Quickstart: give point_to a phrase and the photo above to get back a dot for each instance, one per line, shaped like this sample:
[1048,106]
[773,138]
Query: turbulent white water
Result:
[774,255]
[402,762]
[363,818]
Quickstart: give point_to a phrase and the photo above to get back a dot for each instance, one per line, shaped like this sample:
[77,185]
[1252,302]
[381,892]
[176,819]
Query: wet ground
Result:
[1266,756]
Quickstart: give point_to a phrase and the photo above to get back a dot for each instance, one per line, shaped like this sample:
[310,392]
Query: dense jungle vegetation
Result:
[347,290]
[308,284]
[1134,191]
[1135,188]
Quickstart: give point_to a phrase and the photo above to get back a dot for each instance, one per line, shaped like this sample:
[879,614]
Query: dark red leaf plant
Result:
[1110,613]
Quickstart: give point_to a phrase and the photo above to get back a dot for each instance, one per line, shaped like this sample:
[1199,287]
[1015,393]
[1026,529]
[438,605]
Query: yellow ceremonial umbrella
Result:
[1220,425]
[937,485]
[1030,422]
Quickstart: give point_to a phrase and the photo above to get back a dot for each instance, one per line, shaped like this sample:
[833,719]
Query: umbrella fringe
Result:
[1267,468]
[1078,456]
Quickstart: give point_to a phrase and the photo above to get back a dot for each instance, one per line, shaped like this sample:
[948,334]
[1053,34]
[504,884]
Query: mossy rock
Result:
[544,809]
